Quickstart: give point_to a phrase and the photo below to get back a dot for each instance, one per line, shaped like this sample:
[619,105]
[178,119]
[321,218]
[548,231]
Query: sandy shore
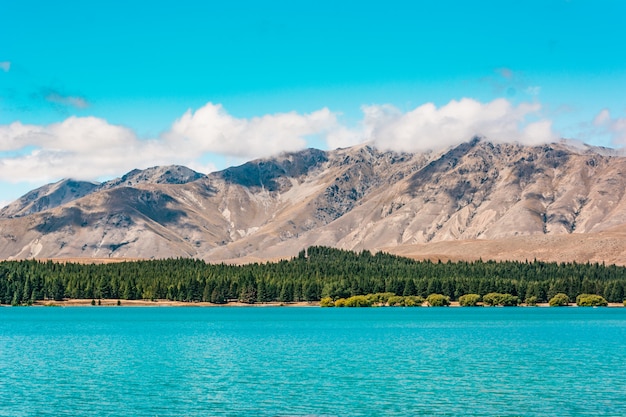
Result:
[164,303]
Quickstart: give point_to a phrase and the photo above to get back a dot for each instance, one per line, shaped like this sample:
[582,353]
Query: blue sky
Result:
[94,89]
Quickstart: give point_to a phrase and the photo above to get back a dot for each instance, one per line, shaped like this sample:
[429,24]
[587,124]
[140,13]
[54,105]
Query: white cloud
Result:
[428,127]
[614,127]
[212,129]
[200,167]
[16,135]
[90,147]
[5,66]
[84,148]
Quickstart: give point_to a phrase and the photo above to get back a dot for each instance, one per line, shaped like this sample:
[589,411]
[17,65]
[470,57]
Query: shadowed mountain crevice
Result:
[71,217]
[273,174]
[429,175]
[154,205]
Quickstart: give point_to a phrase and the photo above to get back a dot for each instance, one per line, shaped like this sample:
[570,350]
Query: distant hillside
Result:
[479,199]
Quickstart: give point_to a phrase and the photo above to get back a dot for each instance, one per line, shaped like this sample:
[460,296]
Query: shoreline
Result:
[163,303]
[168,303]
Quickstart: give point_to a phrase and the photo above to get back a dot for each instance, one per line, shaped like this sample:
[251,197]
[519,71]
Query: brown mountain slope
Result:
[495,201]
[608,246]
[48,197]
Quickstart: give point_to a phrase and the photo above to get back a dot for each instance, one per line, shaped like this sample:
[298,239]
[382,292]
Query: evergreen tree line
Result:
[315,273]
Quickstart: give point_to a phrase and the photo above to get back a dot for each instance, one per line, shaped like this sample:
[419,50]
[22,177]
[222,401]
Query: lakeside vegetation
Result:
[314,275]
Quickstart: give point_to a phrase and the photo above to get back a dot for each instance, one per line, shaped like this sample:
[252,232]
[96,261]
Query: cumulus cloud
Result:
[5,66]
[428,127]
[212,129]
[84,148]
[91,148]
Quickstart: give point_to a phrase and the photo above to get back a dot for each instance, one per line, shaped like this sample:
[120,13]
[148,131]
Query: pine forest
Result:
[315,274]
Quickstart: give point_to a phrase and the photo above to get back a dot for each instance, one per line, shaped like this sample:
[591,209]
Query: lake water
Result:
[273,361]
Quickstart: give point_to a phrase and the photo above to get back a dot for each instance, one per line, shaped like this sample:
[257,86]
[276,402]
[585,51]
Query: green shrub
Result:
[510,300]
[559,300]
[499,299]
[327,302]
[413,301]
[396,300]
[358,301]
[469,300]
[379,297]
[383,297]
[340,302]
[372,298]
[531,301]
[491,299]
[438,300]
[591,300]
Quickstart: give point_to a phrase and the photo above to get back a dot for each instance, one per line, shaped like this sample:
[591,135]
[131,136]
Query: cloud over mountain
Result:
[212,129]
[91,147]
[80,147]
[430,128]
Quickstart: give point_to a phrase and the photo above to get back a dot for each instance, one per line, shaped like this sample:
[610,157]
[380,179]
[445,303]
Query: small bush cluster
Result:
[380,298]
[356,301]
[438,300]
[327,302]
[559,300]
[377,299]
[406,301]
[531,301]
[469,300]
[499,299]
[591,300]
[433,300]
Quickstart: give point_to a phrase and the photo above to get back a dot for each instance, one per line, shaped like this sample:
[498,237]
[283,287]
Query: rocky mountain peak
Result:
[170,174]
[48,197]
[274,174]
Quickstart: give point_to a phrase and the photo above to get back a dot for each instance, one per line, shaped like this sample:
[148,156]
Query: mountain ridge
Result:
[353,198]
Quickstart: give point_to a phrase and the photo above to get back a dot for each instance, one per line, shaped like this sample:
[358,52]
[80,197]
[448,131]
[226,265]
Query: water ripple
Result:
[312,362]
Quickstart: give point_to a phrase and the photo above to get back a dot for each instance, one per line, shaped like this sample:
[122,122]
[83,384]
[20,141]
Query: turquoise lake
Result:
[273,361]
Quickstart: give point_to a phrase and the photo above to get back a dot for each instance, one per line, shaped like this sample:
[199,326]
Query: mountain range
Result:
[556,202]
